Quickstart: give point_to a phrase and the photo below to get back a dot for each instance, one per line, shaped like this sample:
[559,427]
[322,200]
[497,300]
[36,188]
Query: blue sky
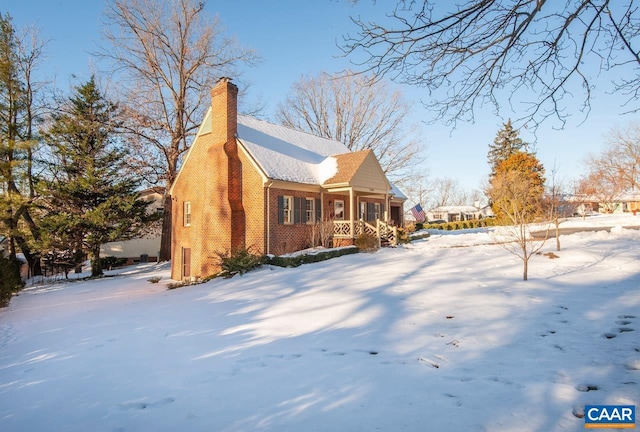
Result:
[297,38]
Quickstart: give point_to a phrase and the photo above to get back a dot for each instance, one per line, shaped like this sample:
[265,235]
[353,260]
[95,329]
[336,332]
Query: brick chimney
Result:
[224,110]
[224,116]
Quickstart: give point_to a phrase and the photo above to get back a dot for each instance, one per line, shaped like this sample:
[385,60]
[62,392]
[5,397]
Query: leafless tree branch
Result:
[535,54]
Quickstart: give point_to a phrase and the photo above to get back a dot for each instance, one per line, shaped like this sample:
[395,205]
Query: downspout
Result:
[268,227]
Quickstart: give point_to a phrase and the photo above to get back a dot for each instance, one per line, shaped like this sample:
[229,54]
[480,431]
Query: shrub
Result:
[239,262]
[10,282]
[110,262]
[366,242]
[419,226]
[403,235]
[296,261]
[154,279]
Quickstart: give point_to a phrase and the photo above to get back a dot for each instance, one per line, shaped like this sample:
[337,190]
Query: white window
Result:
[310,210]
[187,214]
[339,210]
[287,209]
[376,211]
[363,210]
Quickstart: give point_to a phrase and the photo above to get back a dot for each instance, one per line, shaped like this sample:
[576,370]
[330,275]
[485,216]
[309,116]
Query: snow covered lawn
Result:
[440,335]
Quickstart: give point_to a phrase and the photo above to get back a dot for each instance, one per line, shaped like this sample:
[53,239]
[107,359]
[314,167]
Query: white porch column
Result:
[351,210]
[386,208]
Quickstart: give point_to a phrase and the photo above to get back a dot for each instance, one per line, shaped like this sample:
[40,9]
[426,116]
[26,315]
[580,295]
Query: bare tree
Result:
[362,115]
[484,52]
[601,185]
[615,169]
[516,191]
[447,192]
[557,207]
[622,155]
[418,189]
[166,57]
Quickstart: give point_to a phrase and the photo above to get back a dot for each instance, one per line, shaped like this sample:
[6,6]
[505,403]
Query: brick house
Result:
[247,183]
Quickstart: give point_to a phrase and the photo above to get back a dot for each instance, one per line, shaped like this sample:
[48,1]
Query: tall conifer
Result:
[91,197]
[506,143]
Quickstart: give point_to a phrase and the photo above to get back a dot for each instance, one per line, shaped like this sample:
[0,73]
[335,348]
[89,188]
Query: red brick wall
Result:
[253,202]
[285,238]
[204,180]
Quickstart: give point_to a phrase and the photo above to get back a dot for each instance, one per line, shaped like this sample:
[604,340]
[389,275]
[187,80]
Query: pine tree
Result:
[504,145]
[17,221]
[90,197]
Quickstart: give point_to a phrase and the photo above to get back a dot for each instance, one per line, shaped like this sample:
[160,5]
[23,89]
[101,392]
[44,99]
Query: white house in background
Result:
[459,213]
[147,247]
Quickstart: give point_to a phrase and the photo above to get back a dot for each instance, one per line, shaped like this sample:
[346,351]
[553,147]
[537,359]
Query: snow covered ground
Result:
[440,335]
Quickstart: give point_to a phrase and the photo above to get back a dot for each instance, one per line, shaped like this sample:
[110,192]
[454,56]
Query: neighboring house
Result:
[145,248]
[247,183]
[459,213]
[625,202]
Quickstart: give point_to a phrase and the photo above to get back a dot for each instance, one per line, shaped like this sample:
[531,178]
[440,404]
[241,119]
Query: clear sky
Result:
[297,38]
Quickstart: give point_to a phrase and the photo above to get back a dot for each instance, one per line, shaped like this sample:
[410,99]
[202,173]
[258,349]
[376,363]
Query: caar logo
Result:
[610,416]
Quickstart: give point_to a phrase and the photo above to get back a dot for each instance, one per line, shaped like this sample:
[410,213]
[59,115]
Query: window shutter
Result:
[382,211]
[297,210]
[280,209]
[318,210]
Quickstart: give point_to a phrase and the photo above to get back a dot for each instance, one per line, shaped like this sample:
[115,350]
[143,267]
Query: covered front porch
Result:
[359,212]
[361,200]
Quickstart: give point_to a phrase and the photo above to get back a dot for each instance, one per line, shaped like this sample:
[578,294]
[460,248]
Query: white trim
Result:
[186,213]
[307,219]
[290,209]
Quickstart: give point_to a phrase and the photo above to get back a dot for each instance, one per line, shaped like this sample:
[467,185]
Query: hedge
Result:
[295,261]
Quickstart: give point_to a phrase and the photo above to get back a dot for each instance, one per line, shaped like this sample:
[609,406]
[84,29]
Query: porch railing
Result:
[385,233]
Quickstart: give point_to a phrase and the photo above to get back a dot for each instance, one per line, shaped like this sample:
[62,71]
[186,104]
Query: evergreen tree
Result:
[18,57]
[504,145]
[91,198]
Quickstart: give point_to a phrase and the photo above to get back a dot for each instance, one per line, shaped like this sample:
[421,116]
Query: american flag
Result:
[418,213]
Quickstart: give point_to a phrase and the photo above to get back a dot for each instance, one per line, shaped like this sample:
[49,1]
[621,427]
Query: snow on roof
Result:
[397,192]
[287,154]
[454,209]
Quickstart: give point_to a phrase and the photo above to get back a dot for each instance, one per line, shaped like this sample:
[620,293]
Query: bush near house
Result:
[10,282]
[239,262]
[366,242]
[295,261]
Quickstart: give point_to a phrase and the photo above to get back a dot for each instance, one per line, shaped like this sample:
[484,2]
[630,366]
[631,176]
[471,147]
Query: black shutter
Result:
[382,211]
[318,210]
[280,209]
[297,210]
